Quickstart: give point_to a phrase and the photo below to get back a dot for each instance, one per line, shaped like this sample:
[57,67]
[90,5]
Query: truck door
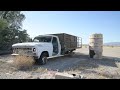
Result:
[55,46]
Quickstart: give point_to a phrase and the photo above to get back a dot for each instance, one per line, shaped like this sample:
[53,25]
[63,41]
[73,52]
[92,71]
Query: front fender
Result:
[47,48]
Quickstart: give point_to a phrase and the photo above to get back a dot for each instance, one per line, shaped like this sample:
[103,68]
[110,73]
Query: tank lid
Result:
[96,35]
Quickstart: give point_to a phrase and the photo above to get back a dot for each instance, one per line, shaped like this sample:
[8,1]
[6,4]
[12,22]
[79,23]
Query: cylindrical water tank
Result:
[96,45]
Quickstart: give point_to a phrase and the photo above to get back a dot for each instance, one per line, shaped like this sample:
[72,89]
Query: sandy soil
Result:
[79,63]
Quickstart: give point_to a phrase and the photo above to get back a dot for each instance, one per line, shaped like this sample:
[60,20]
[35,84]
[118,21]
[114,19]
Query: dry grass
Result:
[23,62]
[2,62]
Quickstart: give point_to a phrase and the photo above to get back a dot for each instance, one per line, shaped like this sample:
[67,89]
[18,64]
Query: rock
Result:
[63,76]
[35,78]
[78,76]
[7,73]
[29,77]
[9,61]
[81,76]
[67,76]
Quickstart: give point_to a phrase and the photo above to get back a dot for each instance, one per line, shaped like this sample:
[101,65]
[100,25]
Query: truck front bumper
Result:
[35,57]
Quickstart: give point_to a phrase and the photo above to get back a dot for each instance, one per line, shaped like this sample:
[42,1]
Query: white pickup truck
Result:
[48,46]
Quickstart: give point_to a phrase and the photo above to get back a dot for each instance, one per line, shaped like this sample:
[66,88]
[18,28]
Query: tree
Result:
[3,24]
[23,36]
[11,26]
[14,18]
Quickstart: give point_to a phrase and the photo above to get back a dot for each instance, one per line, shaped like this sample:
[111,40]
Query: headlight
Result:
[34,49]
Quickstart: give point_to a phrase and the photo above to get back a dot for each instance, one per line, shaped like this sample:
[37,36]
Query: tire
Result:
[71,53]
[43,59]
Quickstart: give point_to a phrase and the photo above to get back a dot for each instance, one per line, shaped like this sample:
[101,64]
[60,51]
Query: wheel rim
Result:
[44,59]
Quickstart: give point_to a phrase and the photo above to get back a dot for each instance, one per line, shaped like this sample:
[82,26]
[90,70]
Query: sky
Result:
[79,23]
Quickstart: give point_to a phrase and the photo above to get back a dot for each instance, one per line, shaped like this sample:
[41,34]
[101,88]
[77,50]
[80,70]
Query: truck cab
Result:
[55,50]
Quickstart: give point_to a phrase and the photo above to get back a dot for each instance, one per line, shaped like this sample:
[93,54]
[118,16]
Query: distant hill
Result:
[112,44]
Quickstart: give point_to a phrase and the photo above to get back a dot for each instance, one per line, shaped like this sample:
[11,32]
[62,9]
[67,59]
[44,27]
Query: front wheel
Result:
[43,59]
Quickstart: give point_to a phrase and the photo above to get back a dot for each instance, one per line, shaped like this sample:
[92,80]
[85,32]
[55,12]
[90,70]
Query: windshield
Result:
[43,39]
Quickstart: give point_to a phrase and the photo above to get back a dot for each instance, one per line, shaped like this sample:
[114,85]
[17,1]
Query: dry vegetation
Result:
[80,63]
[23,62]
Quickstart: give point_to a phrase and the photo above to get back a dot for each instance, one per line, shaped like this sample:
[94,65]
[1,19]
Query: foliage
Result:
[14,18]
[23,62]
[10,27]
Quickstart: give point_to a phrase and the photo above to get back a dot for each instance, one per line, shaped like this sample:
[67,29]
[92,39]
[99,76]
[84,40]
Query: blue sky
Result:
[79,23]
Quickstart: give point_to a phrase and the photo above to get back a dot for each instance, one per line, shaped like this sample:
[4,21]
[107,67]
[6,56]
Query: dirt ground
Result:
[79,63]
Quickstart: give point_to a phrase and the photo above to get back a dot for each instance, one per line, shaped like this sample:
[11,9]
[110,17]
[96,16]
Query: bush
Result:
[23,62]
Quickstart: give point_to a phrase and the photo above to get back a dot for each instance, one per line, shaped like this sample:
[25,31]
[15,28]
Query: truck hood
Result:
[31,44]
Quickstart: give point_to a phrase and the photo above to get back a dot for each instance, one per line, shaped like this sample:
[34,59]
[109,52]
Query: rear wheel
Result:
[43,59]
[71,53]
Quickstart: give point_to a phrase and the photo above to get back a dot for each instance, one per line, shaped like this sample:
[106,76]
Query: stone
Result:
[66,76]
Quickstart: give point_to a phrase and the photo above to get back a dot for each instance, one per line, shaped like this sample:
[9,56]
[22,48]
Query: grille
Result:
[22,50]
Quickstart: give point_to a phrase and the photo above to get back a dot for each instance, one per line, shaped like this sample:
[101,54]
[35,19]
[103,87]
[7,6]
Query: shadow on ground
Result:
[78,60]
